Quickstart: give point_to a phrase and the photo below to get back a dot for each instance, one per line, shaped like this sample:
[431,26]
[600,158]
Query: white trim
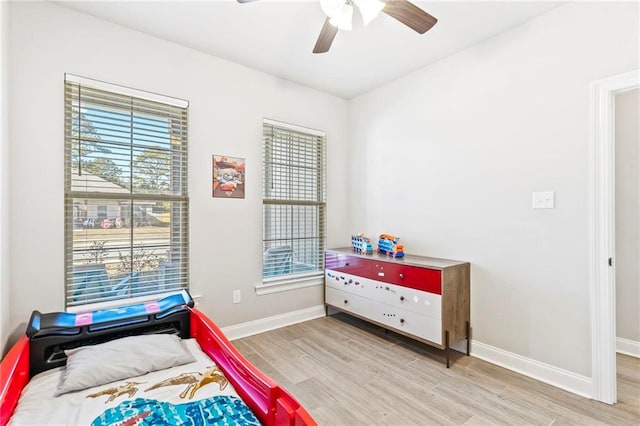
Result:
[127,91]
[292,283]
[627,347]
[250,328]
[295,127]
[602,235]
[546,373]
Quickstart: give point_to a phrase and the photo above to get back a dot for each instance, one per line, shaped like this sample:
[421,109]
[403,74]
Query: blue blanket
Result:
[219,410]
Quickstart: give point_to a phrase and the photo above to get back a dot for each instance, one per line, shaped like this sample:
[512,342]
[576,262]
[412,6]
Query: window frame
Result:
[70,211]
[291,281]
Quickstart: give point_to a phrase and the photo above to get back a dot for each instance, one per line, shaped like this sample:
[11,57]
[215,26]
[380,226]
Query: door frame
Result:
[602,234]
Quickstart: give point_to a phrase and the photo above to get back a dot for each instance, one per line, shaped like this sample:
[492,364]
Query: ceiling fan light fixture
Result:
[331,8]
[343,19]
[369,9]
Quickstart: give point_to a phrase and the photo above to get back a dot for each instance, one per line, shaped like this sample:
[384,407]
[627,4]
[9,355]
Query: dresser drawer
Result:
[349,302]
[422,279]
[411,323]
[350,264]
[393,317]
[408,299]
[420,302]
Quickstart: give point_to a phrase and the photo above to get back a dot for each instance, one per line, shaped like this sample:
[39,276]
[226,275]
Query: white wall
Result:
[227,105]
[453,151]
[4,176]
[628,215]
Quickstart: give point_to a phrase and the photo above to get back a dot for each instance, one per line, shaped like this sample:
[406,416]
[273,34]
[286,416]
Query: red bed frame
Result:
[270,403]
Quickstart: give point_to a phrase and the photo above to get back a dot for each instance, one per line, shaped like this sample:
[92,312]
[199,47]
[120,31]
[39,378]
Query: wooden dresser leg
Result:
[468,338]
[446,344]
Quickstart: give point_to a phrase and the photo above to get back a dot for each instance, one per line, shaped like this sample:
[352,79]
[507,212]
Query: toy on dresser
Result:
[361,244]
[388,244]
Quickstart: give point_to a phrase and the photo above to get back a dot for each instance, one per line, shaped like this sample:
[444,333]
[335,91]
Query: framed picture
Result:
[228,177]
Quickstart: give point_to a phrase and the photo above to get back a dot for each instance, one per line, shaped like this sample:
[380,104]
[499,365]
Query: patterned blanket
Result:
[218,410]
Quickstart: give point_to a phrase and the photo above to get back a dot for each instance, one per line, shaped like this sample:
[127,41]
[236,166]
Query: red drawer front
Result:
[349,264]
[423,279]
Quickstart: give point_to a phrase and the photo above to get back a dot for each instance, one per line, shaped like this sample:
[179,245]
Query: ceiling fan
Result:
[340,15]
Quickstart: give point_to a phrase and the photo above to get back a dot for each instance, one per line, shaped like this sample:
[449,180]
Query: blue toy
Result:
[388,244]
[361,244]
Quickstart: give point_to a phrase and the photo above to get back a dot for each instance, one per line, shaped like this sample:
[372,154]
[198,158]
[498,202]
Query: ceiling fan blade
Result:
[327,34]
[410,15]
[245,1]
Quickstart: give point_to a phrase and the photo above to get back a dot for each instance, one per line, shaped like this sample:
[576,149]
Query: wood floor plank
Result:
[303,368]
[478,420]
[451,410]
[554,410]
[599,412]
[628,375]
[401,407]
[327,392]
[348,372]
[489,405]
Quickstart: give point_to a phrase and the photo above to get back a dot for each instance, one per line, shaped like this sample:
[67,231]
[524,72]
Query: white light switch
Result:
[543,200]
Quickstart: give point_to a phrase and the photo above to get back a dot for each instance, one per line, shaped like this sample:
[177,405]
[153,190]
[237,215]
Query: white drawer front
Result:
[417,301]
[392,316]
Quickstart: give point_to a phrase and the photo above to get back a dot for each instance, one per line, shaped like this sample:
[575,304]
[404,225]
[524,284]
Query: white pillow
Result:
[96,365]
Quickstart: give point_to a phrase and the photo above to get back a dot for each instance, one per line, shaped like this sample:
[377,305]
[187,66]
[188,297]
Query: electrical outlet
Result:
[237,297]
[196,299]
[543,200]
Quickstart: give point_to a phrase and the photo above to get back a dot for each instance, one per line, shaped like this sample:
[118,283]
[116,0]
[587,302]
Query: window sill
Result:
[277,285]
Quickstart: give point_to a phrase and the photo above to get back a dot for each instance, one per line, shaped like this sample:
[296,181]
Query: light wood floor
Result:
[347,372]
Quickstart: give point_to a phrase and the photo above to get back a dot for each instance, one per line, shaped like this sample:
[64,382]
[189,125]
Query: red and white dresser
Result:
[421,297]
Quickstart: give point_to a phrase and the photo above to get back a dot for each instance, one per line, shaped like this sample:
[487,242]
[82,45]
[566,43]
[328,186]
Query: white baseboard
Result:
[628,347]
[250,328]
[546,373]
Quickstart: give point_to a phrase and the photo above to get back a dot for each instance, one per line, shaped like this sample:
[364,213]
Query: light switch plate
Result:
[543,200]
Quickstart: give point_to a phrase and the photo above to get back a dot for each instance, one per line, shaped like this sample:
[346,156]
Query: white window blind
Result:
[126,199]
[294,199]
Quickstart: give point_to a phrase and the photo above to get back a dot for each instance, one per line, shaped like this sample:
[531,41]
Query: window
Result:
[293,202]
[102,212]
[126,203]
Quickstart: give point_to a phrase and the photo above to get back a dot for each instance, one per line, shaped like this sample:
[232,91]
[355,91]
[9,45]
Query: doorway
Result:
[602,235]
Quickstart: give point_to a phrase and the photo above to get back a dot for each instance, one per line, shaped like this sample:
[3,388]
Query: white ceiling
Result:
[277,37]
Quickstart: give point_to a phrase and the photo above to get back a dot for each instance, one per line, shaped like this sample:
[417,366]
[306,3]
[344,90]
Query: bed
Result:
[171,365]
